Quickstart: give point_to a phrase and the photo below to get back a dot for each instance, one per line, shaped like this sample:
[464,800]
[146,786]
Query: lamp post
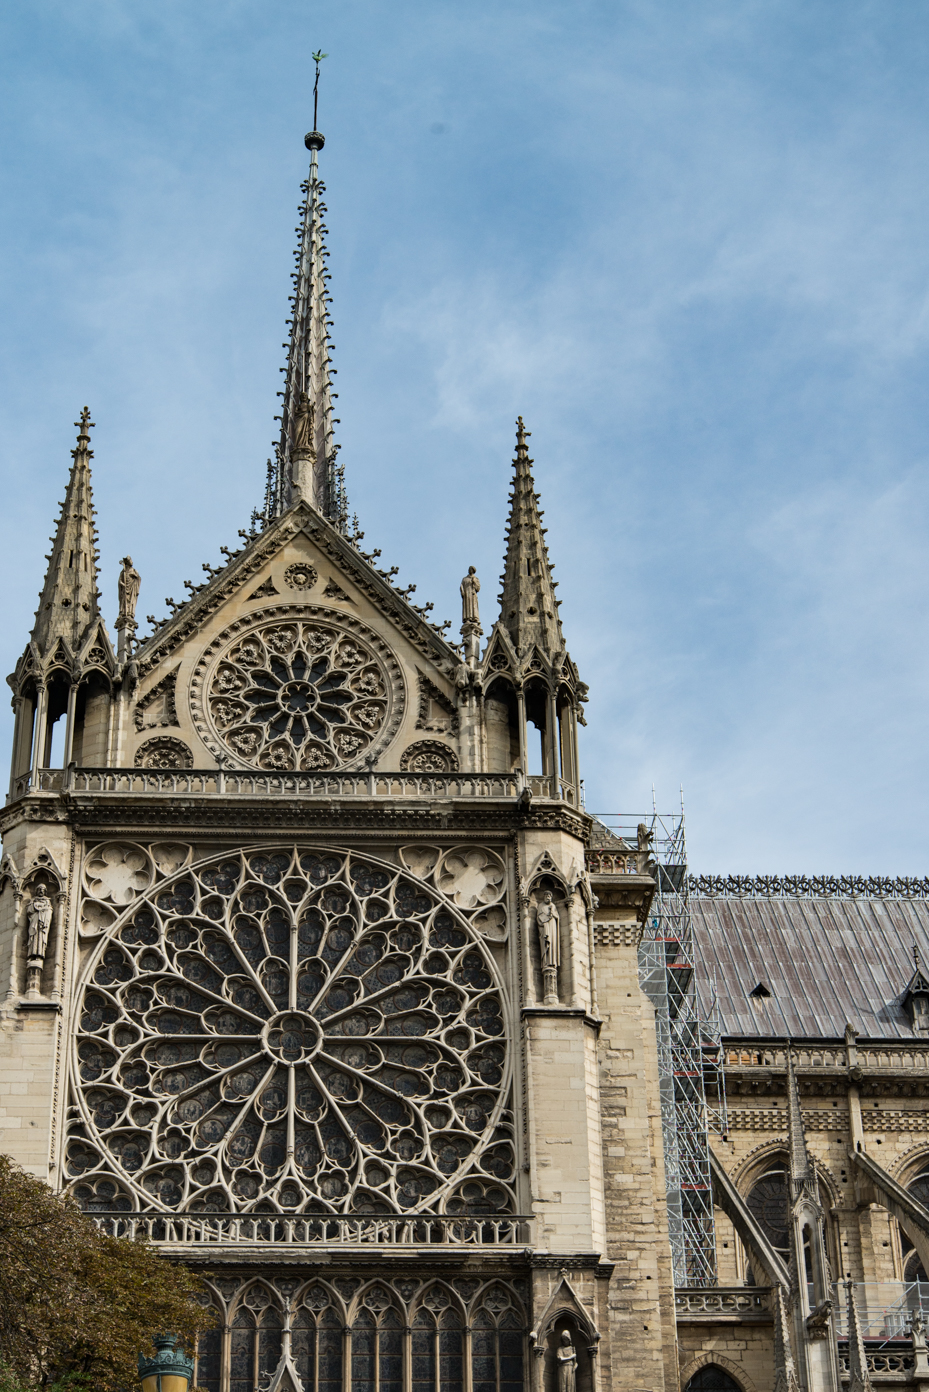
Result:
[169,1371]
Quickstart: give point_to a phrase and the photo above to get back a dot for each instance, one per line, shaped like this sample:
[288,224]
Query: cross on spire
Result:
[306,464]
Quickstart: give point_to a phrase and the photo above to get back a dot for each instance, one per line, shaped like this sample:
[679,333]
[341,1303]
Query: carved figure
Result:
[470,588]
[547,923]
[644,839]
[39,918]
[130,582]
[304,421]
[566,1358]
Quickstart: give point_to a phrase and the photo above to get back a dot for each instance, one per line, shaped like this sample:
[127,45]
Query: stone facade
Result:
[305,978]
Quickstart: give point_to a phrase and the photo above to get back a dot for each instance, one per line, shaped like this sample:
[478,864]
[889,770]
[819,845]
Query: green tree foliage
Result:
[77,1307]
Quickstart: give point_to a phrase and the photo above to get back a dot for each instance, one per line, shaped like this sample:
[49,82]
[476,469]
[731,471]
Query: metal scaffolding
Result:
[689,1047]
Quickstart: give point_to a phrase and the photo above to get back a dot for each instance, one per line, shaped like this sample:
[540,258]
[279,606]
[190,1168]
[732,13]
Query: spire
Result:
[68,603]
[306,455]
[857,1359]
[802,1174]
[529,609]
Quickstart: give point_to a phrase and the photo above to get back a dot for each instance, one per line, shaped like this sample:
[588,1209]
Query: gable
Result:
[299,656]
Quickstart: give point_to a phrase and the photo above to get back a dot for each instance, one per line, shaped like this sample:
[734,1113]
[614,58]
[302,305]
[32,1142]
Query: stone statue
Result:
[470,588]
[130,582]
[644,839]
[470,617]
[547,923]
[304,423]
[39,918]
[566,1359]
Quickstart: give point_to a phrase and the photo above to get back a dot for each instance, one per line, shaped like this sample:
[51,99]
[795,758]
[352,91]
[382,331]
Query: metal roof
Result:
[825,961]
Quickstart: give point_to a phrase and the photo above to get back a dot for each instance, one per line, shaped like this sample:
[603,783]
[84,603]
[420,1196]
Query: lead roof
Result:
[825,962]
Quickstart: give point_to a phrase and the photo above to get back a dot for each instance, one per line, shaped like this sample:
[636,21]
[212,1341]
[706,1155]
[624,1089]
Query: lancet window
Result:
[409,1335]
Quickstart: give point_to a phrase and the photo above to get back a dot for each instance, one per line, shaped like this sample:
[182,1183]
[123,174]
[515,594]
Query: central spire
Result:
[306,455]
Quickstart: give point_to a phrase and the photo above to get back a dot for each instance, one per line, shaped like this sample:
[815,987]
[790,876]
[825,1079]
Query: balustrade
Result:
[242,1230]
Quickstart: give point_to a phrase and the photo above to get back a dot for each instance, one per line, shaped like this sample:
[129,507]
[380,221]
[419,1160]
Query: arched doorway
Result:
[712,1379]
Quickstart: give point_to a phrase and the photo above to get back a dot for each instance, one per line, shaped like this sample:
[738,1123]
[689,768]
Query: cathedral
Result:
[441,1082]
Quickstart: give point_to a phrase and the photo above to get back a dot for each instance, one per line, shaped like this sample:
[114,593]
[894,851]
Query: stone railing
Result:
[246,783]
[601,862]
[903,1057]
[808,887]
[258,783]
[720,1300]
[245,1230]
[885,1361]
[543,785]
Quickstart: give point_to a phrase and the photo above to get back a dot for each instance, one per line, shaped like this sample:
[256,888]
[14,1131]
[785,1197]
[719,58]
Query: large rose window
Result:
[290,694]
[292,1030]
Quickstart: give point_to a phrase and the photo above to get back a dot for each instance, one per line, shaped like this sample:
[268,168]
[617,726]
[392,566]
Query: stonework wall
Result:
[642,1329]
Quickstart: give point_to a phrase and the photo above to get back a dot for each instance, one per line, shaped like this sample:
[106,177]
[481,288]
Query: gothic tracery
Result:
[291,692]
[303,1030]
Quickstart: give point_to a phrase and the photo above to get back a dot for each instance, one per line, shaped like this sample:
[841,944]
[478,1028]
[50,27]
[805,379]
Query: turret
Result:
[529,679]
[68,666]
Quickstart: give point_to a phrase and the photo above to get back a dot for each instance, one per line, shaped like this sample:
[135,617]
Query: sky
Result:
[688,243]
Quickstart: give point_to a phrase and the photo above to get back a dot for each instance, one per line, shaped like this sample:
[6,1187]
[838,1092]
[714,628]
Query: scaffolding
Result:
[691,1079]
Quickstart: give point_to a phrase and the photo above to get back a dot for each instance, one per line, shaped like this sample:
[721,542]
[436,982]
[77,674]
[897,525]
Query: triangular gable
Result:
[564,1299]
[254,561]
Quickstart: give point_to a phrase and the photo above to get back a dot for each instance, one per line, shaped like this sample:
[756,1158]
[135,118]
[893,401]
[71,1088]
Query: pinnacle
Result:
[68,604]
[529,610]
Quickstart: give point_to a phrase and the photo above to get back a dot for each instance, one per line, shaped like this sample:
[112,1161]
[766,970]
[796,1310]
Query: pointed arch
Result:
[733,1371]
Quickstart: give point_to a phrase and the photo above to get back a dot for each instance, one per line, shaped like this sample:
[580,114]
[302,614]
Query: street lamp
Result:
[169,1371]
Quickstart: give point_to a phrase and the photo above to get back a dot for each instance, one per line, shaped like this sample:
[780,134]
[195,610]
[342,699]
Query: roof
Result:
[825,961]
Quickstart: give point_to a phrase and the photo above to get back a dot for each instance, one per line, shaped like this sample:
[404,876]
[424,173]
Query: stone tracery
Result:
[299,1030]
[290,693]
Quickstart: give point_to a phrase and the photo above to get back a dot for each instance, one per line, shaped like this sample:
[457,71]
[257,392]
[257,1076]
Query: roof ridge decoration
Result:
[69,602]
[242,565]
[809,886]
[528,607]
[306,458]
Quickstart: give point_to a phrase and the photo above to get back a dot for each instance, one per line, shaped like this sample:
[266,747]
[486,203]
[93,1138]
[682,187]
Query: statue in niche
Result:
[304,425]
[130,582]
[548,925]
[39,919]
[566,1360]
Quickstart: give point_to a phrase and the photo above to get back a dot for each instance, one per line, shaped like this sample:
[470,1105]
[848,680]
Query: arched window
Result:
[256,1341]
[316,1342]
[209,1359]
[712,1379]
[768,1205]
[437,1348]
[497,1345]
[377,1346]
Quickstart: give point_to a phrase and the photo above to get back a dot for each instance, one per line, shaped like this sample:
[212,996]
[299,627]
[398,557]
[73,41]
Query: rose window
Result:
[301,1031]
[291,695]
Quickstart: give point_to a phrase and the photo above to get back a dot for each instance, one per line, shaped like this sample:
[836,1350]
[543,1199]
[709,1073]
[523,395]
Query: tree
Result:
[78,1307]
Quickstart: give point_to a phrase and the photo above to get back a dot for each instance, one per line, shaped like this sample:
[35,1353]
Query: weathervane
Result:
[317,59]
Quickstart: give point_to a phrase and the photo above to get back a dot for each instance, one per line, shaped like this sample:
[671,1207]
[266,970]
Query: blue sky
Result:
[689,243]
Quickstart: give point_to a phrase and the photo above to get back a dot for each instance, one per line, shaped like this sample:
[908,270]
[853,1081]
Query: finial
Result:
[83,425]
[315,140]
[522,435]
